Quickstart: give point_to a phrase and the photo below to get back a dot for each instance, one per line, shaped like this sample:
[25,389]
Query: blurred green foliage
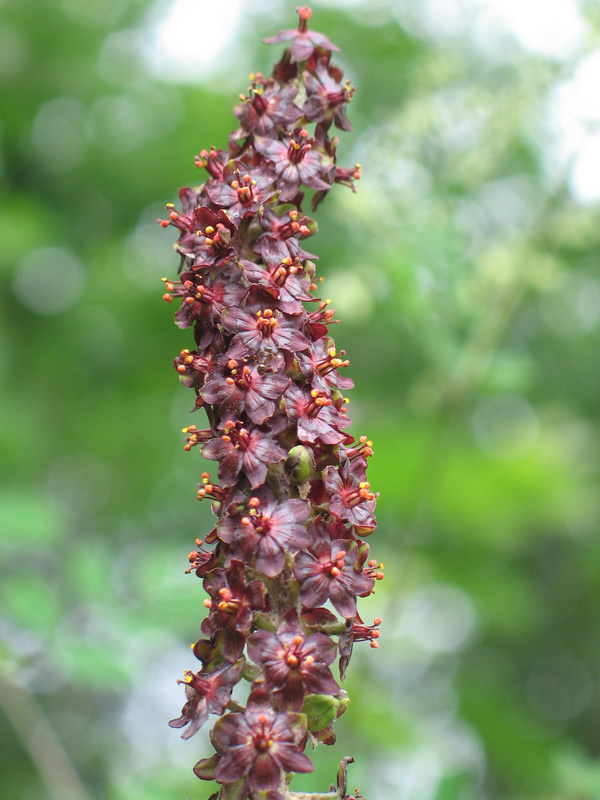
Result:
[466,276]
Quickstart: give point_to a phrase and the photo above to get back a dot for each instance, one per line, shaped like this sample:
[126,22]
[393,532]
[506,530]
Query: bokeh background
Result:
[466,273]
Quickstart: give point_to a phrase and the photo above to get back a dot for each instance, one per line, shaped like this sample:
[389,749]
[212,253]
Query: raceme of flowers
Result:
[287,560]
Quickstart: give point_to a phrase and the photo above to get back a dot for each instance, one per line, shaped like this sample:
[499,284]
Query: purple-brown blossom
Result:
[294,664]
[327,571]
[260,745]
[206,693]
[265,532]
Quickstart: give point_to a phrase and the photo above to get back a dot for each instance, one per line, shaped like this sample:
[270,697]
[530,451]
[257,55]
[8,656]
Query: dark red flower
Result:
[242,190]
[302,41]
[203,299]
[320,366]
[285,279]
[357,631]
[327,572]
[315,415]
[294,665]
[260,745]
[210,242]
[213,162]
[296,163]
[351,497]
[237,386]
[267,106]
[327,99]
[281,235]
[266,530]
[243,449]
[232,603]
[207,693]
[263,333]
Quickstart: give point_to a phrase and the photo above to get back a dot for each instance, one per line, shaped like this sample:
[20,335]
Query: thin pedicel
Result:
[286,561]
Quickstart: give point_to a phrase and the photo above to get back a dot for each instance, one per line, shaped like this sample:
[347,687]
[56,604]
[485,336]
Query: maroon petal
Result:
[344,602]
[292,760]
[319,680]
[235,763]
[301,48]
[315,591]
[273,562]
[264,773]
[282,36]
[306,566]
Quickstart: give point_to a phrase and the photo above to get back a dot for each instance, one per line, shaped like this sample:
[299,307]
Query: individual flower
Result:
[207,693]
[316,417]
[203,299]
[320,366]
[266,530]
[285,279]
[294,665]
[327,99]
[243,190]
[213,161]
[266,106]
[260,745]
[210,243]
[263,333]
[194,368]
[244,449]
[296,163]
[327,572]
[232,603]
[281,235]
[351,497]
[302,41]
[357,631]
[238,386]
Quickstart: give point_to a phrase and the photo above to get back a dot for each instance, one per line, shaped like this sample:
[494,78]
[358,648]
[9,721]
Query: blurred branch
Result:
[39,739]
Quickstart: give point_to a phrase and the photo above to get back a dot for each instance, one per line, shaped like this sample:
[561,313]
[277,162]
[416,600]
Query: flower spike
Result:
[290,494]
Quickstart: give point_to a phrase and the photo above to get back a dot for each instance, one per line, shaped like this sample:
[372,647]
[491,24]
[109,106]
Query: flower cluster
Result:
[287,560]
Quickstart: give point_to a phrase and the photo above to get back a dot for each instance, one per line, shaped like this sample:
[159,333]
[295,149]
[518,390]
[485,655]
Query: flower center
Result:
[299,146]
[359,495]
[242,378]
[212,237]
[336,565]
[315,404]
[266,322]
[261,737]
[243,187]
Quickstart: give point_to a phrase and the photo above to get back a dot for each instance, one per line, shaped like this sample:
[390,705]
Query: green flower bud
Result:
[300,464]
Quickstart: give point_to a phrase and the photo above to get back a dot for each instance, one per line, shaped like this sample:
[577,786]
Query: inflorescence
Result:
[286,561]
